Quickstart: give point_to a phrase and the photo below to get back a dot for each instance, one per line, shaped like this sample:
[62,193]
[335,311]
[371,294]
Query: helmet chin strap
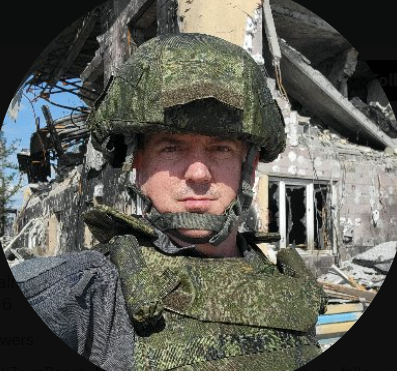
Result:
[220,225]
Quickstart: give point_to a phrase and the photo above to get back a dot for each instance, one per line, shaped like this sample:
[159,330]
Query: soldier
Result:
[183,288]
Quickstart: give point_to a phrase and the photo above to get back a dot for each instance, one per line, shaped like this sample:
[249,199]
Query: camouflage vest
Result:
[193,313]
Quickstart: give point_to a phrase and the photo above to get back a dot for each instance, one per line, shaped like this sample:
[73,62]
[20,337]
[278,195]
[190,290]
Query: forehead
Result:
[164,137]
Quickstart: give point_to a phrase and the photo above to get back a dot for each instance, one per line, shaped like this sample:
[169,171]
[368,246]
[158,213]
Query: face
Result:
[190,173]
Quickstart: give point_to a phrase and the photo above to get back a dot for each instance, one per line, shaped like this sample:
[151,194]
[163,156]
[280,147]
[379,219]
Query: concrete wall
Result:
[368,198]
[364,182]
[235,21]
[58,210]
[60,227]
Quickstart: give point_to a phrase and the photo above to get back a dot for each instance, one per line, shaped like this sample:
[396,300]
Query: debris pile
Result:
[362,276]
[379,115]
[379,258]
[5,240]
[28,243]
[350,289]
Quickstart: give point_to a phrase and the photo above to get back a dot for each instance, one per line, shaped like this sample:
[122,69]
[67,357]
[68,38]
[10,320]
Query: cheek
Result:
[160,188]
[156,182]
[146,169]
[228,182]
[231,174]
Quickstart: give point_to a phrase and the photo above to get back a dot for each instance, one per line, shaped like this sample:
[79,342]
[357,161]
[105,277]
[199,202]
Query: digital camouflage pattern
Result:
[190,83]
[218,314]
[106,222]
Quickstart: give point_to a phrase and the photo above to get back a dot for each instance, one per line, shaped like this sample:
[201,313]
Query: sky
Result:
[24,126]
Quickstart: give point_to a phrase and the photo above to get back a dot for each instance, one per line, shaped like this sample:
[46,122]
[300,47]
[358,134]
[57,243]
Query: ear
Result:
[137,160]
[137,165]
[255,165]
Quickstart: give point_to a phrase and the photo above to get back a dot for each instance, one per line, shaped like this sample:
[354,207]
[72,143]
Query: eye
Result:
[221,151]
[171,152]
[169,149]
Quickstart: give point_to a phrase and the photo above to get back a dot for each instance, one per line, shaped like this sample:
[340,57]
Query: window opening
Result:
[296,214]
[299,225]
[322,221]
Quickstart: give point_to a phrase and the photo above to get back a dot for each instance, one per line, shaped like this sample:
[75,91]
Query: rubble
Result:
[336,321]
[31,236]
[377,115]
[379,257]
[367,269]
[312,89]
[5,240]
[66,138]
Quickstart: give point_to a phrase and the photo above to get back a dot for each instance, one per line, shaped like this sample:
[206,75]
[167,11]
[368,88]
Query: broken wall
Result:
[239,22]
[50,221]
[57,208]
[361,180]
[362,183]
[368,202]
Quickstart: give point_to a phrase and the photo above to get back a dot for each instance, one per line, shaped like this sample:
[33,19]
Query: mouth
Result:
[197,204]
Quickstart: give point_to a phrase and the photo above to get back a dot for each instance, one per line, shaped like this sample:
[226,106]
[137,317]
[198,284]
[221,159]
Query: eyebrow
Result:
[166,140]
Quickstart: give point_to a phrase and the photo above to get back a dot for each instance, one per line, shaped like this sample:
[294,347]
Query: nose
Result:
[198,172]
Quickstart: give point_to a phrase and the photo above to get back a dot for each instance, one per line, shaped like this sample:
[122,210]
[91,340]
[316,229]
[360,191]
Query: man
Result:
[183,289]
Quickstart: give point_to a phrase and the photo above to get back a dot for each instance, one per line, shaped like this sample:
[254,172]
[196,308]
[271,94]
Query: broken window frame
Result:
[310,206]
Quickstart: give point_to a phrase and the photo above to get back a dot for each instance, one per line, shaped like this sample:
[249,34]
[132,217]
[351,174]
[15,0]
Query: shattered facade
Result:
[332,193]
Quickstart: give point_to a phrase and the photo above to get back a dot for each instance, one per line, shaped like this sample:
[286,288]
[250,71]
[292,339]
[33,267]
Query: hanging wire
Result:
[279,82]
[274,47]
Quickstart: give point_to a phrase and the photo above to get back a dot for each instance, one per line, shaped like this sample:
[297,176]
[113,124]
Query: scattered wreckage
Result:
[351,288]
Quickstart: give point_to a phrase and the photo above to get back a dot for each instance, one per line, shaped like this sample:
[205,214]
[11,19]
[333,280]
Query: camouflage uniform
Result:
[195,313]
[186,311]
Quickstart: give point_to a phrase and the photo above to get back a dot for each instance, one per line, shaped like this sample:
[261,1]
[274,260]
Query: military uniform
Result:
[155,309]
[157,306]
[217,314]
[198,313]
[152,309]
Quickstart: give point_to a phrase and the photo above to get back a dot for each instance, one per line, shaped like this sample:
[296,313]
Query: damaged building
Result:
[332,193]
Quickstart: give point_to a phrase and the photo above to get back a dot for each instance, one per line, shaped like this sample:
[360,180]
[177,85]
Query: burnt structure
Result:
[332,192]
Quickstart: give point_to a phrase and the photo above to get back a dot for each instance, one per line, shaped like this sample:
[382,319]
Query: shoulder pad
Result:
[105,222]
[36,275]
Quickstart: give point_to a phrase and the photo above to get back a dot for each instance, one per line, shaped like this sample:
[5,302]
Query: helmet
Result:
[191,83]
[171,76]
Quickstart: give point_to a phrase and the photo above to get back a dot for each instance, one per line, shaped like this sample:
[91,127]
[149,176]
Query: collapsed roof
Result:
[321,70]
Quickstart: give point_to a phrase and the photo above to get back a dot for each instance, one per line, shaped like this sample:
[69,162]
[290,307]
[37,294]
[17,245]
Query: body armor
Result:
[194,313]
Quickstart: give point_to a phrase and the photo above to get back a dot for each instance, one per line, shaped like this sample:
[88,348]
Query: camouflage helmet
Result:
[189,83]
